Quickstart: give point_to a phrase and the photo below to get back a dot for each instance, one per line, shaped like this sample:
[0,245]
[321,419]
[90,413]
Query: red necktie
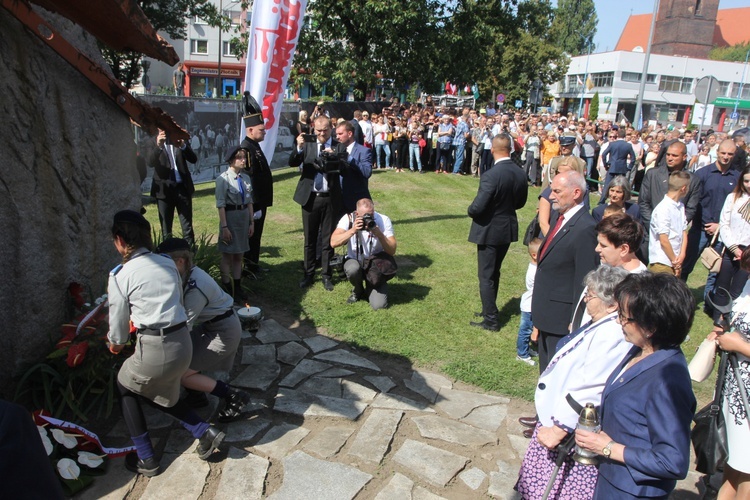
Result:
[551,235]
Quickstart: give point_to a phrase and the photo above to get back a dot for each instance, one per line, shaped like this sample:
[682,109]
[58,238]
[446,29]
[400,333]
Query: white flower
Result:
[89,459]
[45,439]
[87,304]
[64,439]
[68,469]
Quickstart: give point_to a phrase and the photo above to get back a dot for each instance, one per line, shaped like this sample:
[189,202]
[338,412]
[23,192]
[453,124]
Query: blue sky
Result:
[614,14]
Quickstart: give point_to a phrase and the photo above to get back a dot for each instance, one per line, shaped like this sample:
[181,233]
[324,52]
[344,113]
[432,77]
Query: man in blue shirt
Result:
[718,180]
[459,143]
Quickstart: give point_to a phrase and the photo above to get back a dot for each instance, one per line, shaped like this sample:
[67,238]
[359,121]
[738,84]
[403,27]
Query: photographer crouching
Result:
[369,260]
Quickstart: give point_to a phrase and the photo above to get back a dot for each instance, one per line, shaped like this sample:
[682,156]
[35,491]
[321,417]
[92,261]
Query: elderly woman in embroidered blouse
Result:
[580,367]
[234,200]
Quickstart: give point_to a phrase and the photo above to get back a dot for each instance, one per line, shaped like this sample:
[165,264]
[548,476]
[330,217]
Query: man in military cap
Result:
[567,143]
[260,175]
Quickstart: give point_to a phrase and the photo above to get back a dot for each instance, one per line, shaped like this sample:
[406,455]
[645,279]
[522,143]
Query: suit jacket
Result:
[307,178]
[162,185]
[355,175]
[260,175]
[560,272]
[649,409]
[359,135]
[655,186]
[616,157]
[502,191]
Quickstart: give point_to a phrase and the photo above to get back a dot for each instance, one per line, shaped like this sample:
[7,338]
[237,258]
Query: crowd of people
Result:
[610,279]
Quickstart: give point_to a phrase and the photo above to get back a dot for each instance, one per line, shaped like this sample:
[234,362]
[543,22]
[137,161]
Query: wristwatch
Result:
[607,451]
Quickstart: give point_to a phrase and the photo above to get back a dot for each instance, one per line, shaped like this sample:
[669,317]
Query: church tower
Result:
[685,28]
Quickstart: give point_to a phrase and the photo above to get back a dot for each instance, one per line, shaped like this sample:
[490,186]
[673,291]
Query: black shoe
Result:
[149,467]
[485,325]
[306,282]
[195,399]
[353,298]
[210,440]
[528,433]
[529,421]
[479,315]
[235,402]
[327,284]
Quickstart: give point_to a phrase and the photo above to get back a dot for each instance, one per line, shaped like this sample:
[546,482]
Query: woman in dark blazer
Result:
[648,402]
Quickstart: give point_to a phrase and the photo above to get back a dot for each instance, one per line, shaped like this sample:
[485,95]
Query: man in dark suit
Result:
[359,134]
[260,174]
[618,159]
[565,257]
[502,191]
[172,185]
[356,172]
[319,194]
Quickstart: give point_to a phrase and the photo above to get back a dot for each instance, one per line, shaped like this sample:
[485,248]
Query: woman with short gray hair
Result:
[618,195]
[580,367]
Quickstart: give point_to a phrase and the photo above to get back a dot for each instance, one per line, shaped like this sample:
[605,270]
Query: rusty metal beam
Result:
[147,117]
[120,24]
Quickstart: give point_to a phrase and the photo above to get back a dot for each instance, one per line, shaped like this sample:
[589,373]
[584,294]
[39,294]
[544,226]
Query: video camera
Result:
[328,163]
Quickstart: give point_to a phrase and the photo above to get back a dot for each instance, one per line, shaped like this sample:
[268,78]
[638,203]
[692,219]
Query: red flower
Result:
[39,421]
[76,354]
[66,339]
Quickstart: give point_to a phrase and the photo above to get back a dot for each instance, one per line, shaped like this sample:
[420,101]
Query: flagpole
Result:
[638,118]
[585,82]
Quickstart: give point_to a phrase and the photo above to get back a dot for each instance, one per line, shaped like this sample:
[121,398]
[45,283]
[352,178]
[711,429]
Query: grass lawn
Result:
[435,293]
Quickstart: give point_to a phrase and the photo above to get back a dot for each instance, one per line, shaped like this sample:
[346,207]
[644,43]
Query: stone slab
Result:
[280,440]
[394,402]
[258,376]
[473,478]
[519,444]
[489,418]
[502,482]
[399,487]
[258,354]
[329,440]
[330,387]
[320,343]
[246,334]
[291,353]
[422,493]
[383,383]
[343,357]
[183,476]
[270,332]
[458,404]
[309,477]
[245,430]
[375,436]
[179,441]
[254,406]
[427,384]
[242,475]
[434,465]
[336,372]
[311,405]
[305,368]
[434,427]
[353,390]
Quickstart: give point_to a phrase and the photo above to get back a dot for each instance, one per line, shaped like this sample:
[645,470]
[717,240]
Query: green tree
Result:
[594,107]
[734,53]
[170,16]
[574,26]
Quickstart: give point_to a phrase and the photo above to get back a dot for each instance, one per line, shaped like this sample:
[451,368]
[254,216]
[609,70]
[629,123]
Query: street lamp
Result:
[742,84]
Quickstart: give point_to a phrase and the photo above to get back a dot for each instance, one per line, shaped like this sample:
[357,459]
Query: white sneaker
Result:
[526,360]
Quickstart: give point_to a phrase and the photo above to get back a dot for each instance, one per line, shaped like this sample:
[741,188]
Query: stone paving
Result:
[327,423]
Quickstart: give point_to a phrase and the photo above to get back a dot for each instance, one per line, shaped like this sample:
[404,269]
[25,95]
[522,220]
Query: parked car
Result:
[285,139]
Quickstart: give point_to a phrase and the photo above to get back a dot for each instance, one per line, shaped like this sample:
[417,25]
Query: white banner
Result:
[274,32]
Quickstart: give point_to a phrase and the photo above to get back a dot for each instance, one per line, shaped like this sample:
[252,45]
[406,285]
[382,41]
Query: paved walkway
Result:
[327,423]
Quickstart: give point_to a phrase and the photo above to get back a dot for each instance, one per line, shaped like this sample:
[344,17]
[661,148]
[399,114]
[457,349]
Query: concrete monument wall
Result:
[67,164]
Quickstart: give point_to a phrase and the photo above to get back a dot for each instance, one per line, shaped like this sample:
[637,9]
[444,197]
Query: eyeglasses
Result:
[624,320]
[589,297]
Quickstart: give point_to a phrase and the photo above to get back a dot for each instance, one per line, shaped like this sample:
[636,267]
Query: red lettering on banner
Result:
[283,40]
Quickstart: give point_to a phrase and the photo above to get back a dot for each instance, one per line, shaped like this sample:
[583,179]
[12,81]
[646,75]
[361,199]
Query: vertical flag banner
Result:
[274,32]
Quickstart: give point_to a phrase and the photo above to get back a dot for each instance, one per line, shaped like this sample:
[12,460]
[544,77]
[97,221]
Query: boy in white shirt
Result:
[526,326]
[668,229]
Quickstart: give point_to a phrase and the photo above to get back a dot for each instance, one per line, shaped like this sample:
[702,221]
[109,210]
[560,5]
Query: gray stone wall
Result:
[67,164]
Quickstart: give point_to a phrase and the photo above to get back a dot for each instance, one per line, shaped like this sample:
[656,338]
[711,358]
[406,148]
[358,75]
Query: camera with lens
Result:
[328,163]
[368,221]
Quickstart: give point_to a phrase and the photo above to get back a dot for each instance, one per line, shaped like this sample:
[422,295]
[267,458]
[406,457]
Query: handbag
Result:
[702,364]
[379,268]
[710,258]
[709,435]
[422,143]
